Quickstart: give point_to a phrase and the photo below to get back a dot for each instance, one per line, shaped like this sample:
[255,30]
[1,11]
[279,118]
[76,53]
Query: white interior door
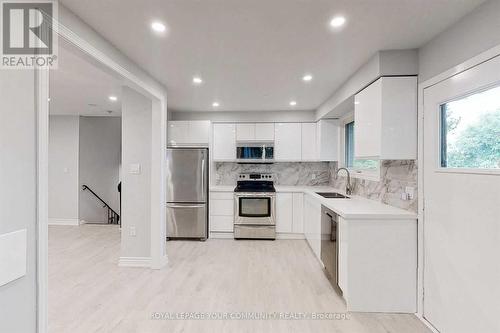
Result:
[462,206]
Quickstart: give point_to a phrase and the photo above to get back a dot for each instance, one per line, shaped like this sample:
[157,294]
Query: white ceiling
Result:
[77,87]
[252,54]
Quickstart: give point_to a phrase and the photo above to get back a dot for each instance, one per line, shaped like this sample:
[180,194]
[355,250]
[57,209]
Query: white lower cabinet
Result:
[289,214]
[342,259]
[221,223]
[284,212]
[312,224]
[221,212]
[298,213]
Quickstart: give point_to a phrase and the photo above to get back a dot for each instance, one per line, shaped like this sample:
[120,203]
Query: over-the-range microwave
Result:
[255,152]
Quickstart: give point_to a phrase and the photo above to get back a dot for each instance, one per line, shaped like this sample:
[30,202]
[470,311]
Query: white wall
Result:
[386,62]
[473,34]
[63,169]
[18,199]
[99,164]
[136,188]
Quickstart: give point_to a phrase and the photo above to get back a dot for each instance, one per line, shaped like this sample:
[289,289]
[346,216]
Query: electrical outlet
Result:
[134,169]
[410,192]
[132,231]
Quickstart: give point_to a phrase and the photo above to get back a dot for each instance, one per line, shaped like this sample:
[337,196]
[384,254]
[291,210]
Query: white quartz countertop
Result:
[355,207]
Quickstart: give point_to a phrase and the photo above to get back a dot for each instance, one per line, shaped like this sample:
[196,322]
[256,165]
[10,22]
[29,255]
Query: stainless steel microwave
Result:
[255,152]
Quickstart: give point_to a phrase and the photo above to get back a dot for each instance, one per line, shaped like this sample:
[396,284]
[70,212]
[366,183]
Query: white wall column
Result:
[136,179]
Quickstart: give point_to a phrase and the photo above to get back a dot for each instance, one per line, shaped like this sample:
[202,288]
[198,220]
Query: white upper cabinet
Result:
[255,132]
[178,132]
[199,131]
[328,140]
[188,133]
[309,142]
[224,142]
[245,132]
[385,119]
[264,131]
[288,142]
[320,141]
[293,142]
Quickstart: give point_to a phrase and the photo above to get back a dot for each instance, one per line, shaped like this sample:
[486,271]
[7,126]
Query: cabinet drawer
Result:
[222,195]
[221,207]
[221,223]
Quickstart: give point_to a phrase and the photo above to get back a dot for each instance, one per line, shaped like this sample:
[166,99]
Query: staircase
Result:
[113,217]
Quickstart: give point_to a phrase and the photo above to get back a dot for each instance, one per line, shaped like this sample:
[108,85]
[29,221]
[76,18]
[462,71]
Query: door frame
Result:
[147,86]
[458,69]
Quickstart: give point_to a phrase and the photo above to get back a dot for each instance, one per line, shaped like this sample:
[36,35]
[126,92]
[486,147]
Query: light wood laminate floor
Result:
[88,292]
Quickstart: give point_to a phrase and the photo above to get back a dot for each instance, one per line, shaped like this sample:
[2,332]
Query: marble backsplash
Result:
[395,176]
[307,173]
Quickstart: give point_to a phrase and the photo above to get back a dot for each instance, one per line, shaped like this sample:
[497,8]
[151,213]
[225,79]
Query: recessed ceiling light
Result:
[337,21]
[48,99]
[158,26]
[356,103]
[307,77]
[215,104]
[293,103]
[113,98]
[197,80]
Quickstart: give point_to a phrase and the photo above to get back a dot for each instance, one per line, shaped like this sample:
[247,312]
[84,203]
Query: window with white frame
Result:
[470,131]
[359,168]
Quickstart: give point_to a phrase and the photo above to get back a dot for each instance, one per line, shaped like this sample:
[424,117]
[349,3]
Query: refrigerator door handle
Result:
[203,178]
[169,205]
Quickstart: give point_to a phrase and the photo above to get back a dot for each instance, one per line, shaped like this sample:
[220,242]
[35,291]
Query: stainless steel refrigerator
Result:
[187,193]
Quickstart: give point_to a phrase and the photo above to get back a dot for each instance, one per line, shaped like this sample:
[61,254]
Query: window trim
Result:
[373,175]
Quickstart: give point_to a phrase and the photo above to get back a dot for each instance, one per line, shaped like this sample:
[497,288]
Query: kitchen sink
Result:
[332,195]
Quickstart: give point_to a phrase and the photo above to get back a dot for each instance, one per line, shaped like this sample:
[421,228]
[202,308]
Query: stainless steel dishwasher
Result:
[330,246]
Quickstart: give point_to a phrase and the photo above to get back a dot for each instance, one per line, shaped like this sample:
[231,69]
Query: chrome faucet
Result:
[348,186]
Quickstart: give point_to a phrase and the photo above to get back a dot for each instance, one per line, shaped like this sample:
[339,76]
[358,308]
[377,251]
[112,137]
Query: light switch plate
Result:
[134,168]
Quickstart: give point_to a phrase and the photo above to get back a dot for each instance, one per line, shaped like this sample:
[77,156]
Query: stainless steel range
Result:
[255,207]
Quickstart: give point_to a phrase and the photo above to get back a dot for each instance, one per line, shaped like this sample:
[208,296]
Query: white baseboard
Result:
[93,222]
[163,262]
[55,221]
[279,235]
[221,235]
[426,323]
[135,262]
[289,235]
